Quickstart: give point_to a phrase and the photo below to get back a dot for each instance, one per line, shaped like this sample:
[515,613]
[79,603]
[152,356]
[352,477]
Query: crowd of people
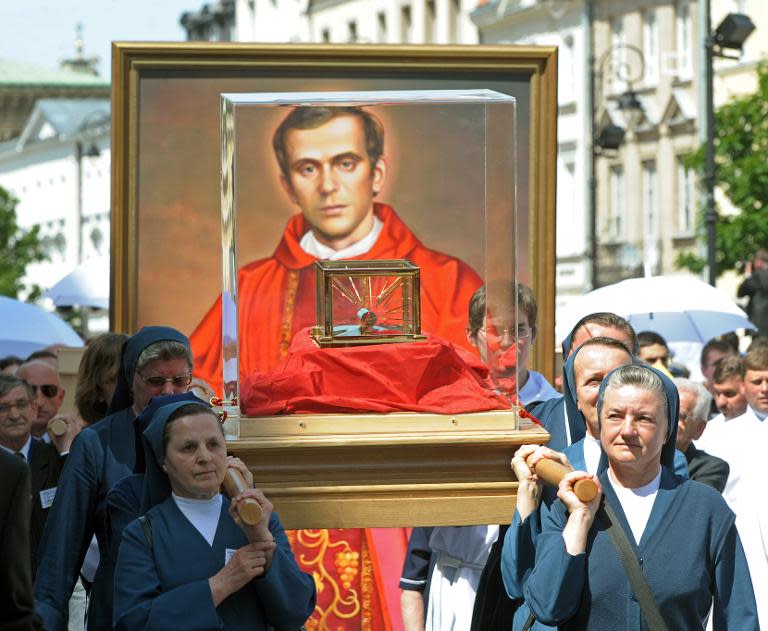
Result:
[126,511]
[141,446]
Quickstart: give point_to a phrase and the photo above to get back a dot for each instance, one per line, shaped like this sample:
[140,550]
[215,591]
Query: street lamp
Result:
[730,34]
[609,137]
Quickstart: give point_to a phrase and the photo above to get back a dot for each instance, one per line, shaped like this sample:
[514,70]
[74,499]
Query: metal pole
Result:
[710,173]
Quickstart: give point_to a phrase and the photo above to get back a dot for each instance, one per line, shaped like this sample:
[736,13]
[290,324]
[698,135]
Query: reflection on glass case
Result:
[366,302]
[421,176]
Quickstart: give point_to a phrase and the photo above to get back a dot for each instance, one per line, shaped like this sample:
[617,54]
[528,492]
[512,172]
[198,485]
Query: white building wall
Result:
[278,21]
[528,22]
[362,21]
[43,177]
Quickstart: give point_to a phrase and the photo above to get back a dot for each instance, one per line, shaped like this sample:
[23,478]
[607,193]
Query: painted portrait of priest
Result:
[333,166]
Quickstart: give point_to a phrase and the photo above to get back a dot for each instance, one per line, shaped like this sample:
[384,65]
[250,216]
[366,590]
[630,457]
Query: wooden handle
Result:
[552,472]
[58,427]
[248,509]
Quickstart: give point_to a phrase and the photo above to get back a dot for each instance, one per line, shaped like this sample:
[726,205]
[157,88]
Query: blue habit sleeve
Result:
[288,594]
[68,531]
[554,587]
[139,603]
[519,553]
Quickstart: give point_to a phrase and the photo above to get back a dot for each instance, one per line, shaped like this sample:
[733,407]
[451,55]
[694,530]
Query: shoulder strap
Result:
[631,565]
[147,526]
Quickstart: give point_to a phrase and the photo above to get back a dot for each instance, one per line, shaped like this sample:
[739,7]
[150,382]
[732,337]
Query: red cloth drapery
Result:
[420,376]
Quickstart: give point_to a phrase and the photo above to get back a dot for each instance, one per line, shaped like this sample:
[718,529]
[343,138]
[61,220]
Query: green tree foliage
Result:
[18,248]
[741,155]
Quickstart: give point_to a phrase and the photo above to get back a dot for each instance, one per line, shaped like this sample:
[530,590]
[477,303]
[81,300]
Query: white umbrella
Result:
[679,308]
[27,328]
[87,285]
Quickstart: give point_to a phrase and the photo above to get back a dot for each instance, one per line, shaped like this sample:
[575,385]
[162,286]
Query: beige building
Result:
[646,203]
[646,199]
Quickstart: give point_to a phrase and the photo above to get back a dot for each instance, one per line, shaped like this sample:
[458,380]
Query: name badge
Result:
[46,497]
[228,554]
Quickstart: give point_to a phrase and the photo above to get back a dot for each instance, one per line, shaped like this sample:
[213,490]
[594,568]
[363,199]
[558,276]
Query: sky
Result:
[42,32]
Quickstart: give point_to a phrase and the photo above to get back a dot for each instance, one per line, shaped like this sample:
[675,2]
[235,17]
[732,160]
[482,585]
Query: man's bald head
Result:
[44,380]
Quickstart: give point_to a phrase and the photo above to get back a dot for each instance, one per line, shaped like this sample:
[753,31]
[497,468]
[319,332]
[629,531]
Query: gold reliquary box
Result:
[366,302]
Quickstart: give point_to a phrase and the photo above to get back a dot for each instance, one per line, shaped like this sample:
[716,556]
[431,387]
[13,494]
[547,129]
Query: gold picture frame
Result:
[160,176]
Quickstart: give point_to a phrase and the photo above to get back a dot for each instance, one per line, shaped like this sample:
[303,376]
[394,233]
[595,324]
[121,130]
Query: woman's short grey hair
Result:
[637,376]
[164,350]
[703,397]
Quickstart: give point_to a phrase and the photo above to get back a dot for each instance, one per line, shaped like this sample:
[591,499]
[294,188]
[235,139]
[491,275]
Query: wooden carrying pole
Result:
[248,508]
[58,427]
[552,472]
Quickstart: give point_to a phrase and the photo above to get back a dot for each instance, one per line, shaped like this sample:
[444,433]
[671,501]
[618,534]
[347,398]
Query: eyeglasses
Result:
[48,389]
[21,405]
[523,331]
[178,381]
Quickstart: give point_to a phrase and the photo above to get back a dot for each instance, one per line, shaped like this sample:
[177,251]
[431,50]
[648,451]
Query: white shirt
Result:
[592,453]
[636,503]
[202,514]
[24,450]
[536,388]
[313,247]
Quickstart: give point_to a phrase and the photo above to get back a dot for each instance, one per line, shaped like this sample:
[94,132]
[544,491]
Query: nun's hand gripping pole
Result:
[552,472]
[248,508]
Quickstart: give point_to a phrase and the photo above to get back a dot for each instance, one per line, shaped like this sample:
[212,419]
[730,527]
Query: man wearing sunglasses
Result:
[48,395]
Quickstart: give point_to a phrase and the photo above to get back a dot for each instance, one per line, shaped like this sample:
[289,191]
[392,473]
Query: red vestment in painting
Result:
[357,579]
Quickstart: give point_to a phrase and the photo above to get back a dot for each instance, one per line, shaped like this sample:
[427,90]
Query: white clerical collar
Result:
[313,247]
[24,450]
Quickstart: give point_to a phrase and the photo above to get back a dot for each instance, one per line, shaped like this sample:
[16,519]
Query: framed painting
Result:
[378,470]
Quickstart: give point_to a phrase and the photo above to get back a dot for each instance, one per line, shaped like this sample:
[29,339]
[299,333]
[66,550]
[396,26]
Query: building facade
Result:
[391,21]
[627,205]
[58,169]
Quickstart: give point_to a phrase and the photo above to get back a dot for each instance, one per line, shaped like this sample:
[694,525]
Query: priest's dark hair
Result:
[313,116]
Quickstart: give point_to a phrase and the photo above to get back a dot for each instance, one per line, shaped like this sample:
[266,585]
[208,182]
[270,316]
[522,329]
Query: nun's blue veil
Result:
[672,405]
[157,487]
[132,349]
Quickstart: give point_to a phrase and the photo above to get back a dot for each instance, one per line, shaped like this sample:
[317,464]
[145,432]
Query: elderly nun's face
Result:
[160,377]
[634,426]
[196,456]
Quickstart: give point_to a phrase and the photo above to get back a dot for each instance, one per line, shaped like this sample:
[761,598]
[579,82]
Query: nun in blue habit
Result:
[101,455]
[193,564]
[519,551]
[682,532]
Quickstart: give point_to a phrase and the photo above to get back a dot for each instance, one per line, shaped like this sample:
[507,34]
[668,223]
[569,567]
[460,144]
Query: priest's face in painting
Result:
[196,456]
[331,177]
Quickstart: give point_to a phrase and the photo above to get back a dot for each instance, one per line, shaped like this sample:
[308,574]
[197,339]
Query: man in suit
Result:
[695,401]
[17,612]
[48,395]
[18,410]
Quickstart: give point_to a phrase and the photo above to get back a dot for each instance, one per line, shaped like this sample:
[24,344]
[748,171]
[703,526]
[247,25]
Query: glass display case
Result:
[363,217]
[360,177]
